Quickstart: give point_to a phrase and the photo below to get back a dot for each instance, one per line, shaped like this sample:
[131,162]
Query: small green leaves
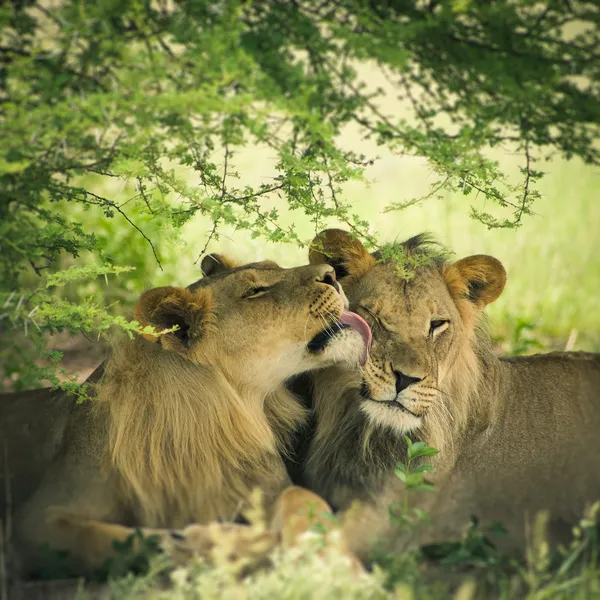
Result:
[418,449]
[412,476]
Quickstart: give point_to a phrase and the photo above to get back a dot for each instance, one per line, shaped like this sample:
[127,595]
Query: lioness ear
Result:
[344,253]
[479,278]
[166,307]
[212,264]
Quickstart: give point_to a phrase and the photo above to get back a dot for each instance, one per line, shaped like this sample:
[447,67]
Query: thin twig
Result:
[35,267]
[223,192]
[336,203]
[211,235]
[523,206]
[143,195]
[105,201]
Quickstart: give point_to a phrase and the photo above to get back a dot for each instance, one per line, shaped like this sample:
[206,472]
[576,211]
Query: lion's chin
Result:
[391,414]
[346,347]
[337,345]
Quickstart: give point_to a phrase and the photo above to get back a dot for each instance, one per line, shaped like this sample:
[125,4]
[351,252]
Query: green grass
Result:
[308,572]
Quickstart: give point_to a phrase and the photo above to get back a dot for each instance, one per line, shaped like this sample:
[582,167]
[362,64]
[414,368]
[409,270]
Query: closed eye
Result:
[376,318]
[256,292]
[437,326]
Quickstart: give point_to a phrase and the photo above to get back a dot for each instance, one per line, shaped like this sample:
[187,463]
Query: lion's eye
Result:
[375,317]
[256,292]
[437,326]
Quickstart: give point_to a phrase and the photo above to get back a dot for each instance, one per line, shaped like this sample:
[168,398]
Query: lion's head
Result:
[258,324]
[198,416]
[428,339]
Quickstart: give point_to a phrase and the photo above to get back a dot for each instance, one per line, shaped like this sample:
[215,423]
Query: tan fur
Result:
[339,245]
[516,435]
[216,263]
[185,424]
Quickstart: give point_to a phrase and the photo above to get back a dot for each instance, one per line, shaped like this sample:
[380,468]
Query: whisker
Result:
[442,392]
[327,326]
[306,329]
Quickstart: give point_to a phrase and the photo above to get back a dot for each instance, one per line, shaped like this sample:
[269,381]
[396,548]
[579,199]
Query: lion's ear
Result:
[166,307]
[479,278]
[344,253]
[213,264]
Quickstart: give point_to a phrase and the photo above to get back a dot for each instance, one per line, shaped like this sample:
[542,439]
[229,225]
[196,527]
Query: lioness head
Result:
[258,323]
[424,356]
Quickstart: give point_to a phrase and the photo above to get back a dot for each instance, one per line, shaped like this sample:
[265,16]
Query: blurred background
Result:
[171,85]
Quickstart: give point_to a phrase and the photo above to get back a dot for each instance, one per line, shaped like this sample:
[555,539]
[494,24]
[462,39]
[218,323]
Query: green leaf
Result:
[422,515]
[422,487]
[415,448]
[413,481]
[423,451]
[401,468]
[422,469]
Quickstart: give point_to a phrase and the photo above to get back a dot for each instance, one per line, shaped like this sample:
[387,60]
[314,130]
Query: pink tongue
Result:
[359,324]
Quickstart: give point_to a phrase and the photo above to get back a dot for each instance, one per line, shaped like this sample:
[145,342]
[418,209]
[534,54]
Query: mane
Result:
[347,449]
[183,440]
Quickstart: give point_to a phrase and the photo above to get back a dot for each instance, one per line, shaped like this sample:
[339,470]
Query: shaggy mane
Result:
[184,441]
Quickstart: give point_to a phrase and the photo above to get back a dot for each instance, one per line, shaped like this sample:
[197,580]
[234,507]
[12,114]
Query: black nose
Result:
[403,381]
[329,279]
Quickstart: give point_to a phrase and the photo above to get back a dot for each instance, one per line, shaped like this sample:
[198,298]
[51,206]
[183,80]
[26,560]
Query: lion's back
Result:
[32,424]
[566,383]
[540,452]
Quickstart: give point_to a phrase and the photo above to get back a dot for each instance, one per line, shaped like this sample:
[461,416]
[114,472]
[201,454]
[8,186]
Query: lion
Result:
[185,424]
[517,436]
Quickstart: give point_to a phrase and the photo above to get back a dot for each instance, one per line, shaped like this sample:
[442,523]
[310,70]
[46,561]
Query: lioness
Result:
[516,435]
[185,424]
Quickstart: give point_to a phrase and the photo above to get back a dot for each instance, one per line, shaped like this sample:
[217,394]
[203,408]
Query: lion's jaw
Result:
[394,414]
[275,367]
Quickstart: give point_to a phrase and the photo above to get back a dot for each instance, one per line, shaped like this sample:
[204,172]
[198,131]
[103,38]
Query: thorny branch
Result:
[106,202]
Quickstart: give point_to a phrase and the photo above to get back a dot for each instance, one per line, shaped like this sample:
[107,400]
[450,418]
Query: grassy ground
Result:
[308,572]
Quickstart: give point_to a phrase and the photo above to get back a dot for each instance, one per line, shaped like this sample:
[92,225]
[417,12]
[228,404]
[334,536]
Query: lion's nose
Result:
[403,381]
[329,278]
